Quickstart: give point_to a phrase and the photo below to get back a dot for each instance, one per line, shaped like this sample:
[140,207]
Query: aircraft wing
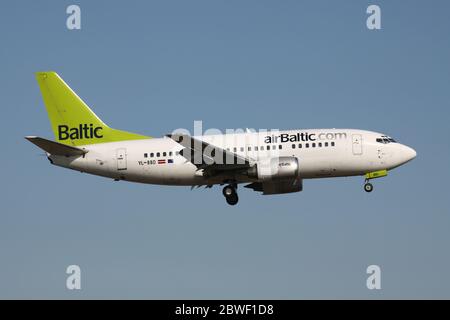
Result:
[207,156]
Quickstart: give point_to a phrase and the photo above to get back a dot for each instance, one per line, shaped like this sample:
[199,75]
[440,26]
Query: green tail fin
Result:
[73,123]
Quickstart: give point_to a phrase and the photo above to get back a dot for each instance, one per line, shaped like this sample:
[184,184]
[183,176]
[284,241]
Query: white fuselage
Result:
[321,153]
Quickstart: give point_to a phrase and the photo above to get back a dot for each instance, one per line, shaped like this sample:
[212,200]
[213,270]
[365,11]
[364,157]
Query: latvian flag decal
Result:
[161,161]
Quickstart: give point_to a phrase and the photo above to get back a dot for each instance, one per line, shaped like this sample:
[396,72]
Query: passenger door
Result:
[357,144]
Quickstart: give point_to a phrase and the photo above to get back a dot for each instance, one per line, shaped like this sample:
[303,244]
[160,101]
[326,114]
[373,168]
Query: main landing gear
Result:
[230,194]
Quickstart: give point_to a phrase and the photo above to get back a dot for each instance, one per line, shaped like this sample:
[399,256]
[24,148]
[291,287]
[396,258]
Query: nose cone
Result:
[407,153]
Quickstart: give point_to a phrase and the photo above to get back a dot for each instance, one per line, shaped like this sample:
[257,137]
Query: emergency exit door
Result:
[121,156]
[357,144]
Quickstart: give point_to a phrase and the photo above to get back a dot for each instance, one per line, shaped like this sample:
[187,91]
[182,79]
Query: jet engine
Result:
[275,169]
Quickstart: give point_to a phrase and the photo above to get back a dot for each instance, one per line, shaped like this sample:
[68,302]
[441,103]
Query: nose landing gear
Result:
[230,194]
[368,187]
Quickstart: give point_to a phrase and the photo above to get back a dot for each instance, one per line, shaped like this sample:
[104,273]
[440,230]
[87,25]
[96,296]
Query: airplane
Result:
[271,162]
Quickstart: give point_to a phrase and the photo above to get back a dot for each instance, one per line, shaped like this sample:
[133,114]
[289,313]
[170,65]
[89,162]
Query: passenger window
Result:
[145,155]
[293,146]
[249,148]
[326,144]
[234,149]
[177,153]
[274,147]
[299,145]
[268,147]
[164,154]
[314,145]
[242,149]
[332,144]
[261,148]
[280,146]
[170,153]
[256,148]
[157,154]
[320,144]
[306,145]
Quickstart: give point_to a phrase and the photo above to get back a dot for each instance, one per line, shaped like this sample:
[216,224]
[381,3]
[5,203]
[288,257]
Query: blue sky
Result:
[154,66]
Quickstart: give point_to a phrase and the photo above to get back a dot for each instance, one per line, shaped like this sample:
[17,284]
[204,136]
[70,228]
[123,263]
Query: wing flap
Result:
[277,187]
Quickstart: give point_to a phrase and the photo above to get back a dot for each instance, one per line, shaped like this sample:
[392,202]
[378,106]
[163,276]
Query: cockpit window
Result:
[385,140]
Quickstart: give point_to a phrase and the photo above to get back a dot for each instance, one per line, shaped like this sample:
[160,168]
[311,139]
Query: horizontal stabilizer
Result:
[55,148]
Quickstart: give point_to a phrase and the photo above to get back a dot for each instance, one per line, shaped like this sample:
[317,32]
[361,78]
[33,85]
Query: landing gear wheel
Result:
[230,194]
[233,199]
[368,187]
[228,191]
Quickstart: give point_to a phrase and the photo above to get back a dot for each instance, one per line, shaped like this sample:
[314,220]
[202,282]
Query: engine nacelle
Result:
[275,169]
